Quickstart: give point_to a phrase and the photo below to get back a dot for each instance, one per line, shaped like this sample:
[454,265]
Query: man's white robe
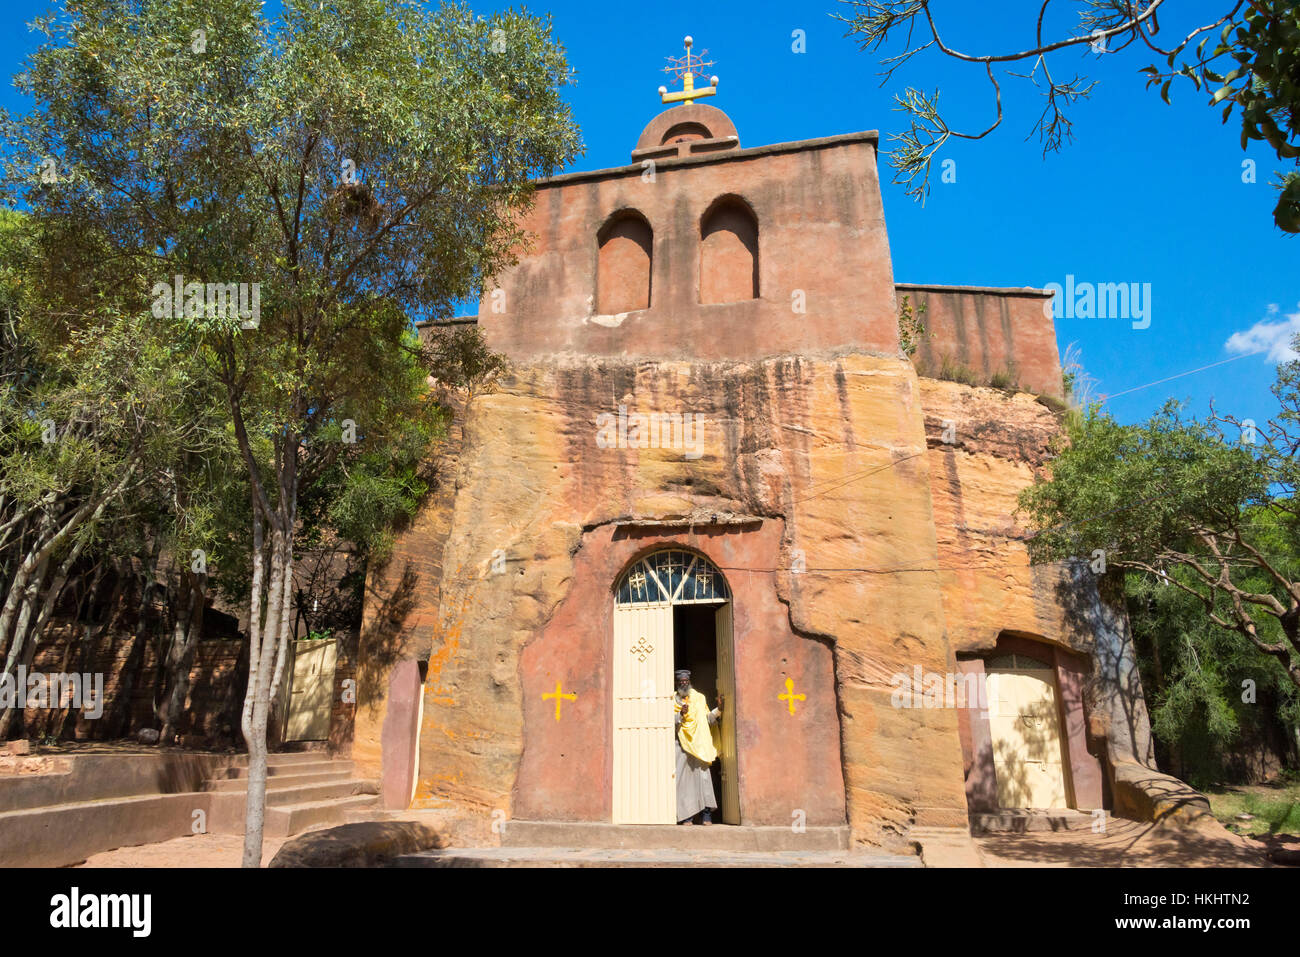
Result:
[694,781]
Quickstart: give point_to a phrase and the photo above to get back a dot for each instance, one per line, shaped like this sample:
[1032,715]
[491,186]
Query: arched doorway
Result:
[1025,726]
[664,604]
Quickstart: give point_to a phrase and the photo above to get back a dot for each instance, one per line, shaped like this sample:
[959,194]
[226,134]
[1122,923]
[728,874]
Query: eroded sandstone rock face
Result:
[858,541]
[826,455]
[985,446]
[863,517]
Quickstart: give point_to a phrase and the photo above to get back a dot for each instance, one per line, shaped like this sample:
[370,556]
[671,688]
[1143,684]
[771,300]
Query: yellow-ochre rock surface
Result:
[874,508]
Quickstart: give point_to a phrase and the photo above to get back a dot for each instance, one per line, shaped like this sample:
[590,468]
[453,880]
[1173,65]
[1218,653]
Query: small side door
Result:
[312,694]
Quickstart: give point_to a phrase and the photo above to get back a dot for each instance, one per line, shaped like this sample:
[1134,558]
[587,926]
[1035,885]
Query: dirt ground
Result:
[1124,844]
[201,850]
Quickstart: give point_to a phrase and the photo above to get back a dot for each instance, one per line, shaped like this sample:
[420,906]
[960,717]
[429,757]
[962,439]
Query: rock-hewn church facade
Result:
[712,452]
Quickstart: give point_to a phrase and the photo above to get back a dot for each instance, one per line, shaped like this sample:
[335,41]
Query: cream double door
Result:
[645,758]
[1026,730]
[730,796]
[645,786]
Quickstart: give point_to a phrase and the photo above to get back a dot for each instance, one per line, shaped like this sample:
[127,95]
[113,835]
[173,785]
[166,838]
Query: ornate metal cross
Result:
[684,68]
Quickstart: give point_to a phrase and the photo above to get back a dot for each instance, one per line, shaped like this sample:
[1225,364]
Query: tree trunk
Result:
[18,600]
[18,646]
[53,535]
[27,661]
[262,628]
[147,581]
[268,645]
[78,661]
[180,655]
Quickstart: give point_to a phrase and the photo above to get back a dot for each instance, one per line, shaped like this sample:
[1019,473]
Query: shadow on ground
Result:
[1127,844]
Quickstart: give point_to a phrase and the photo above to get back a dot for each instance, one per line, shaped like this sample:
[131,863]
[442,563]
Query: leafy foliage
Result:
[911,326]
[1195,676]
[1198,505]
[112,451]
[1263,50]
[357,166]
[1254,66]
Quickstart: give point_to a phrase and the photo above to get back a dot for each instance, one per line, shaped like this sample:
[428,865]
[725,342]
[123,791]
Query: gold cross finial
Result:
[684,68]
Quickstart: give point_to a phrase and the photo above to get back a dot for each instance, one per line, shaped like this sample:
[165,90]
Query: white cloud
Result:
[1271,337]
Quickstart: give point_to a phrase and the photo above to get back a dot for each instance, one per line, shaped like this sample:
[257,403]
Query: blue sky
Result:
[1146,193]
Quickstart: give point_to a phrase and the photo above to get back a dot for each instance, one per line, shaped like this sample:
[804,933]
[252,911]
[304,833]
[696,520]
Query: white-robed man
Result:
[697,749]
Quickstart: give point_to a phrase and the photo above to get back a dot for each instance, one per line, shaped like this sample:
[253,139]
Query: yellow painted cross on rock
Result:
[560,697]
[789,696]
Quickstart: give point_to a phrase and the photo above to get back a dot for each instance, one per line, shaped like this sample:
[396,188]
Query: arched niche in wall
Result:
[685,132]
[728,252]
[624,263]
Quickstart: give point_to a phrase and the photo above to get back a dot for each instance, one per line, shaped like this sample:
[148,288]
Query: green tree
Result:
[99,416]
[1247,57]
[353,166]
[1205,687]
[1207,507]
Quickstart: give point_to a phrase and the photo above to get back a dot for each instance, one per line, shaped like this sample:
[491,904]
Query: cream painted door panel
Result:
[645,786]
[313,690]
[730,796]
[1026,730]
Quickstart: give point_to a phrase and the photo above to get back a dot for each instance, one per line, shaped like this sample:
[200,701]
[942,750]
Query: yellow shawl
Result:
[691,732]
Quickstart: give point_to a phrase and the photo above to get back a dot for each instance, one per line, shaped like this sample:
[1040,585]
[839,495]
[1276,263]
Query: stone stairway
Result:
[303,790]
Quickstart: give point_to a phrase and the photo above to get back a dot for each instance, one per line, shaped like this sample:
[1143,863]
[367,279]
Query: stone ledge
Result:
[716,837]
[941,817]
[1144,794]
[1023,821]
[364,844]
[572,857]
[871,137]
[945,847]
[1030,291]
[64,834]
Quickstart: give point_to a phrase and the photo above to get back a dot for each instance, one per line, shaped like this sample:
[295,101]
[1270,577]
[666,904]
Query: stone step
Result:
[278,782]
[644,857]
[294,767]
[286,757]
[312,793]
[716,837]
[290,819]
[339,786]
[227,808]
[1018,821]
